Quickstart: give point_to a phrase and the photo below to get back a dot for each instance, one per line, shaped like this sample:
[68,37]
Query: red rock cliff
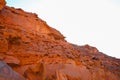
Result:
[2,4]
[36,51]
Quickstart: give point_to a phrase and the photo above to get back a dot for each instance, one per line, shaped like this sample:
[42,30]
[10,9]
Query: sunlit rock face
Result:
[36,51]
[2,4]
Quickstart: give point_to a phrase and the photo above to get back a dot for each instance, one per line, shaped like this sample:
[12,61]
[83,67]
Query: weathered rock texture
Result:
[2,4]
[38,52]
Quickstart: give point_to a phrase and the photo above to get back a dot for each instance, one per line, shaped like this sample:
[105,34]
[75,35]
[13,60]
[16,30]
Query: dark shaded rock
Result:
[6,73]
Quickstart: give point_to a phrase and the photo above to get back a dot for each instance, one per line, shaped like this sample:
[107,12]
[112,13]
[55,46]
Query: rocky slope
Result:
[35,51]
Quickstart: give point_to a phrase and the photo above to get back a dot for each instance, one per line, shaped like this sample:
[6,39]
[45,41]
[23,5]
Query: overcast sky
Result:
[93,22]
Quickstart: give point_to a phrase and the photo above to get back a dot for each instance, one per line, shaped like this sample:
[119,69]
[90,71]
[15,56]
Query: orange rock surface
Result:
[38,52]
[2,4]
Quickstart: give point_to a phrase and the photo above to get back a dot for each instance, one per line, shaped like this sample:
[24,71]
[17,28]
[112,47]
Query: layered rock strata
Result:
[36,51]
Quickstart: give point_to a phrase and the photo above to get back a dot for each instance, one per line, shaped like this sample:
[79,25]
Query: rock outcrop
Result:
[2,4]
[36,51]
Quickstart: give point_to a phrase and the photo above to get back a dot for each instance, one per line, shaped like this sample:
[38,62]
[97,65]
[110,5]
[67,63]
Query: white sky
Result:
[93,22]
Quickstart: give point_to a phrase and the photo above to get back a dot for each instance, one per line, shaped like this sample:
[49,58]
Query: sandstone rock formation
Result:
[38,52]
[2,4]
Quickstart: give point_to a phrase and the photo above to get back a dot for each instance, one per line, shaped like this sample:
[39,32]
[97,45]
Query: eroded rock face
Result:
[2,4]
[38,52]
